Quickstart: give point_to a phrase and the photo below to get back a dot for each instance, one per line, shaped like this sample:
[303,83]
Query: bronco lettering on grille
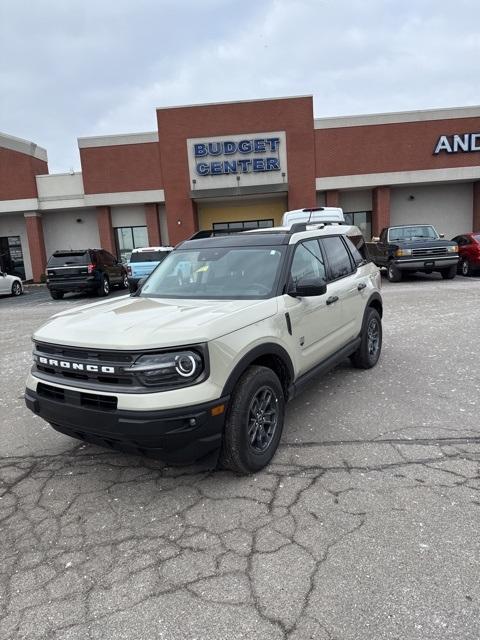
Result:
[74,366]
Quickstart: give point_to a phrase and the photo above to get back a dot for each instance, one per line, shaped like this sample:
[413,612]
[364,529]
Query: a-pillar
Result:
[153,225]
[380,209]
[476,207]
[105,231]
[36,244]
[332,198]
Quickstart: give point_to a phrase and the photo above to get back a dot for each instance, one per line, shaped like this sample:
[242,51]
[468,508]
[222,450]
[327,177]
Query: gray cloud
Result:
[83,68]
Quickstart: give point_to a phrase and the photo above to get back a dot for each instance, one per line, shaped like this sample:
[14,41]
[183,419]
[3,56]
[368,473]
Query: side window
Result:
[337,257]
[107,258]
[358,251]
[308,262]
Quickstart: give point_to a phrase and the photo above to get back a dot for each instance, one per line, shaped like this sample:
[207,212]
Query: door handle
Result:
[332,299]
[361,286]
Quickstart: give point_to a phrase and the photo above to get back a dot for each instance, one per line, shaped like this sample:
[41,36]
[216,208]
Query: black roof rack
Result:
[302,226]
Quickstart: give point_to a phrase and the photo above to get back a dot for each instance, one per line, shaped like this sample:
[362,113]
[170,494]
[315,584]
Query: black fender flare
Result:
[266,349]
[377,299]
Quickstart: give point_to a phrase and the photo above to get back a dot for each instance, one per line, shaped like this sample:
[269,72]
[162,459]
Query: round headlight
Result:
[185,365]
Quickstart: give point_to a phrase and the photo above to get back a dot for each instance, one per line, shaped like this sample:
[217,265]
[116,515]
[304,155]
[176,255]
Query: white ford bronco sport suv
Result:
[204,364]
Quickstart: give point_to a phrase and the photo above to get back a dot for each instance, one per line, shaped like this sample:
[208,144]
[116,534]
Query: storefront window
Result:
[11,256]
[242,225]
[129,238]
[362,220]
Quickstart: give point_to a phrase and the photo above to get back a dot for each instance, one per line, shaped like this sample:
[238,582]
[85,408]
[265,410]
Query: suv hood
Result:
[150,323]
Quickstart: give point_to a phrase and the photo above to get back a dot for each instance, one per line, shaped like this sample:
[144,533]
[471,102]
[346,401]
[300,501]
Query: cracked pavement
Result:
[365,525]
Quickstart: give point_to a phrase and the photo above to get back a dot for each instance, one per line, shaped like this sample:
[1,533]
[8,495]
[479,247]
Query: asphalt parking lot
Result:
[364,527]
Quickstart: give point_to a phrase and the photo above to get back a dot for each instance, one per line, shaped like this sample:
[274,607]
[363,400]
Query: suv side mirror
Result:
[442,235]
[307,287]
[135,288]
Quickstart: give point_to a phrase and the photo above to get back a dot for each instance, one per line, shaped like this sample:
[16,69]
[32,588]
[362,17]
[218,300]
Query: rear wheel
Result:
[17,289]
[466,268]
[124,283]
[450,273]
[254,422]
[104,288]
[393,273]
[56,295]
[368,352]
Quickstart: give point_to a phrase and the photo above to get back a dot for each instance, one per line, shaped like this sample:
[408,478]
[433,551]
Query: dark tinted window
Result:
[69,258]
[337,257]
[148,256]
[308,262]
[356,245]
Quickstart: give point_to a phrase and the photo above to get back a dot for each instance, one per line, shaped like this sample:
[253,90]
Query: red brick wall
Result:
[294,116]
[153,225]
[17,174]
[405,146]
[128,167]
[476,206]
[36,245]
[380,209]
[105,230]
[332,198]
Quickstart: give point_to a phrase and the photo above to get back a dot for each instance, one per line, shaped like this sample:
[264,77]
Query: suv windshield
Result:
[69,258]
[225,273]
[412,233]
[148,256]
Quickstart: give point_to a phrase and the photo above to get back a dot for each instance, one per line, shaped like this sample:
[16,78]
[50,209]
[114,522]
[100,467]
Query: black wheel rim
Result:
[16,289]
[373,337]
[106,288]
[262,419]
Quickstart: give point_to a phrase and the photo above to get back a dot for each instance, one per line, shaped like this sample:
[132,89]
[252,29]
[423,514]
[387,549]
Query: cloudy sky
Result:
[71,68]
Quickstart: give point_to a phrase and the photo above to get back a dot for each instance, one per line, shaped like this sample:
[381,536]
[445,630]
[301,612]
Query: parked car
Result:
[142,262]
[414,247]
[84,270]
[204,366]
[10,285]
[469,250]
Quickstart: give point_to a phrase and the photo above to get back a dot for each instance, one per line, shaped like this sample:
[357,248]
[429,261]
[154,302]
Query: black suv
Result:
[89,270]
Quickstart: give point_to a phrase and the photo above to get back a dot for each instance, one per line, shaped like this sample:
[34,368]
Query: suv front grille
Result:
[426,252]
[79,398]
[91,367]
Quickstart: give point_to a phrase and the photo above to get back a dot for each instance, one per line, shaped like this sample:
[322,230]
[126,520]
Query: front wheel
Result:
[393,273]
[254,422]
[368,353]
[56,295]
[17,289]
[450,273]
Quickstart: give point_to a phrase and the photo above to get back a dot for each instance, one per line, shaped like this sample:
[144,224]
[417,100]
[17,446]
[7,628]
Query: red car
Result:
[469,251]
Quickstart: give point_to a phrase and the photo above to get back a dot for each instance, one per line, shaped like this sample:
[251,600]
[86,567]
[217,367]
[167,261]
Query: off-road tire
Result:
[237,453]
[450,273]
[368,353]
[393,273]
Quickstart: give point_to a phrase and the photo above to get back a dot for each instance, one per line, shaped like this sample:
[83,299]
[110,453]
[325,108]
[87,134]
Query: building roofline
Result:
[226,102]
[449,113]
[23,146]
[117,139]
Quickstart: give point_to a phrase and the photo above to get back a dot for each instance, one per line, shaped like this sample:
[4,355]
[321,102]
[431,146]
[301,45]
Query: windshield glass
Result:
[413,233]
[67,259]
[476,236]
[225,273]
[148,256]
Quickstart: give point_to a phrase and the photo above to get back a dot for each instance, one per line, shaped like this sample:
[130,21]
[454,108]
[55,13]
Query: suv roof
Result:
[152,249]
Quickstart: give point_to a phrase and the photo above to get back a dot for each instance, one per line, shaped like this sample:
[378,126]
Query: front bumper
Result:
[425,264]
[178,436]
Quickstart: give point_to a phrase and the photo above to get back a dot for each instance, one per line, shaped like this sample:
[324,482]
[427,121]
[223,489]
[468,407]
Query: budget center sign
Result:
[237,160]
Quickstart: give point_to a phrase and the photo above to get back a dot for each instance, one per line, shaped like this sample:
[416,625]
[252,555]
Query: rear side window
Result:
[338,259]
[358,251]
[69,259]
[148,256]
